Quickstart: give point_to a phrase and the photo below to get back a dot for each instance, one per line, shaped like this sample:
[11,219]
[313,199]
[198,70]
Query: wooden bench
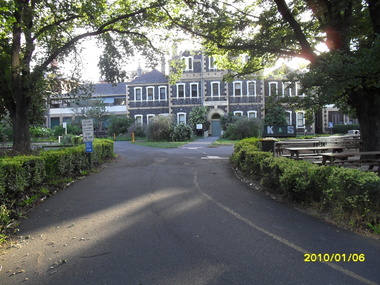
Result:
[296,152]
[370,159]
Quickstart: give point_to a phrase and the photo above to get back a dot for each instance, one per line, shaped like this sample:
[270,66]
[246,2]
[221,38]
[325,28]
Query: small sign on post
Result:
[88,135]
[88,147]
[88,130]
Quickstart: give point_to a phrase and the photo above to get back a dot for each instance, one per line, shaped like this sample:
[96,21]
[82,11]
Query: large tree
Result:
[347,74]
[35,33]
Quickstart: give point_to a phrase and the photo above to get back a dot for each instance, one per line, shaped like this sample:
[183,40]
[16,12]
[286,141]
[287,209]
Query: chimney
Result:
[139,71]
[163,64]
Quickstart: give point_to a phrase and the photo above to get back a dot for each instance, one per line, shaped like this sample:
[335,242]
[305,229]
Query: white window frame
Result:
[159,93]
[212,89]
[286,87]
[270,87]
[141,117]
[290,122]
[241,88]
[184,90]
[254,88]
[149,117]
[303,119]
[189,63]
[134,94]
[212,65]
[179,115]
[147,93]
[298,87]
[191,89]
[238,113]
[249,114]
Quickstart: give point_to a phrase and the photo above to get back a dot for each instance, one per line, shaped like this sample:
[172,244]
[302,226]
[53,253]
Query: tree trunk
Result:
[21,132]
[367,105]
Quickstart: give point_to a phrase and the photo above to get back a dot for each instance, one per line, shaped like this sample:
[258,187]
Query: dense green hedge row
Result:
[349,196]
[25,178]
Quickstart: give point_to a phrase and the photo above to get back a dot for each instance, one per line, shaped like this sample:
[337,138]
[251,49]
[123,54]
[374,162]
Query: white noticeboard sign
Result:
[88,130]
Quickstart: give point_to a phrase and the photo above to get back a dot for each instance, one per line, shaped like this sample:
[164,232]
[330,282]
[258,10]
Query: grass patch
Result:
[163,144]
[223,142]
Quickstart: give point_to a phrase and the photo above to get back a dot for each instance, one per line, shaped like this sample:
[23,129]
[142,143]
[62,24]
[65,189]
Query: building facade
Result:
[201,84]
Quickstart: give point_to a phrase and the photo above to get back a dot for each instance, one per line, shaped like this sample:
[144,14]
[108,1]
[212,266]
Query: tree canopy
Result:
[36,33]
[346,72]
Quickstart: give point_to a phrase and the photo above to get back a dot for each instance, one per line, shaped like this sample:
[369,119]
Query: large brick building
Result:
[150,94]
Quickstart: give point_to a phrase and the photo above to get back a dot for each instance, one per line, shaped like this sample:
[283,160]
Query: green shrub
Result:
[243,128]
[6,130]
[119,125]
[349,196]
[159,128]
[181,132]
[40,132]
[343,129]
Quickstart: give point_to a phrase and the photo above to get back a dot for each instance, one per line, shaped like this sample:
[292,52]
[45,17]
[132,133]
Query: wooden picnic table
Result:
[295,151]
[279,146]
[345,155]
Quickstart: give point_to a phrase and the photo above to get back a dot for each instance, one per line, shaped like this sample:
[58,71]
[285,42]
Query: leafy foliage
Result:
[243,128]
[344,72]
[181,132]
[350,197]
[119,125]
[159,128]
[35,35]
[198,115]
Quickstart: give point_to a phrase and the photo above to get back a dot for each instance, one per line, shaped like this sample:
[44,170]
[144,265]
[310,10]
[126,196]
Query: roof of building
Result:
[109,88]
[153,76]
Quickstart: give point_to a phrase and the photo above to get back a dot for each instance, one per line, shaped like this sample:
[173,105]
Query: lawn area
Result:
[223,142]
[162,144]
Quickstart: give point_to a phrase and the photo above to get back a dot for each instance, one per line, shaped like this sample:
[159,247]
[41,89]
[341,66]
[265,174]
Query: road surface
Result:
[180,216]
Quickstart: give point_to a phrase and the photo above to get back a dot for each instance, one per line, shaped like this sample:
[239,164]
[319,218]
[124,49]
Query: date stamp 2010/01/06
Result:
[334,257]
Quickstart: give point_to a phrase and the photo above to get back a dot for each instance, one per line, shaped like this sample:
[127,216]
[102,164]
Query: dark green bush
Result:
[181,132]
[40,132]
[22,177]
[349,196]
[343,129]
[243,128]
[159,128]
[119,125]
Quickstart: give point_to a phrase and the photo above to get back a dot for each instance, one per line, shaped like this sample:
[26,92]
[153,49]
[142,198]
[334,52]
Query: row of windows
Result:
[189,63]
[250,114]
[150,94]
[287,89]
[181,117]
[193,91]
[139,119]
[300,117]
[239,89]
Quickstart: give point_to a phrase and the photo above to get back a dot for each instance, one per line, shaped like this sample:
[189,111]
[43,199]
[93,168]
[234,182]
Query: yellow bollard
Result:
[133,137]
[114,137]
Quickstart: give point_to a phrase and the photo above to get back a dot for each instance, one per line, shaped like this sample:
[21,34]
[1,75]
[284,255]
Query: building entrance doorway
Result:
[216,129]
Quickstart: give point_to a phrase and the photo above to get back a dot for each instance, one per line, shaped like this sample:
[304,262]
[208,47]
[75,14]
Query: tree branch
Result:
[100,30]
[307,51]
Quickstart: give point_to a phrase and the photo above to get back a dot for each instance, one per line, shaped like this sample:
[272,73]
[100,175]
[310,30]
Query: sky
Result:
[91,53]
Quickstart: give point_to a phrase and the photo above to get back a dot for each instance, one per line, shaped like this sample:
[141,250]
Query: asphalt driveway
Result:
[179,216]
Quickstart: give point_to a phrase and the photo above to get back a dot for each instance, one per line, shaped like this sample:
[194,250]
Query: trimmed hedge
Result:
[23,177]
[351,197]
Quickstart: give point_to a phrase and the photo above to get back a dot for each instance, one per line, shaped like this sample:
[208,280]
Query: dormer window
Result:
[188,60]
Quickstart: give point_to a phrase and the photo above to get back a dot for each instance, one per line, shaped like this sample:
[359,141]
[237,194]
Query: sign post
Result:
[279,131]
[88,136]
[88,130]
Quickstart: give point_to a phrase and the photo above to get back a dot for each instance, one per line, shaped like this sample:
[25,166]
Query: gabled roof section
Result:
[109,88]
[153,76]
